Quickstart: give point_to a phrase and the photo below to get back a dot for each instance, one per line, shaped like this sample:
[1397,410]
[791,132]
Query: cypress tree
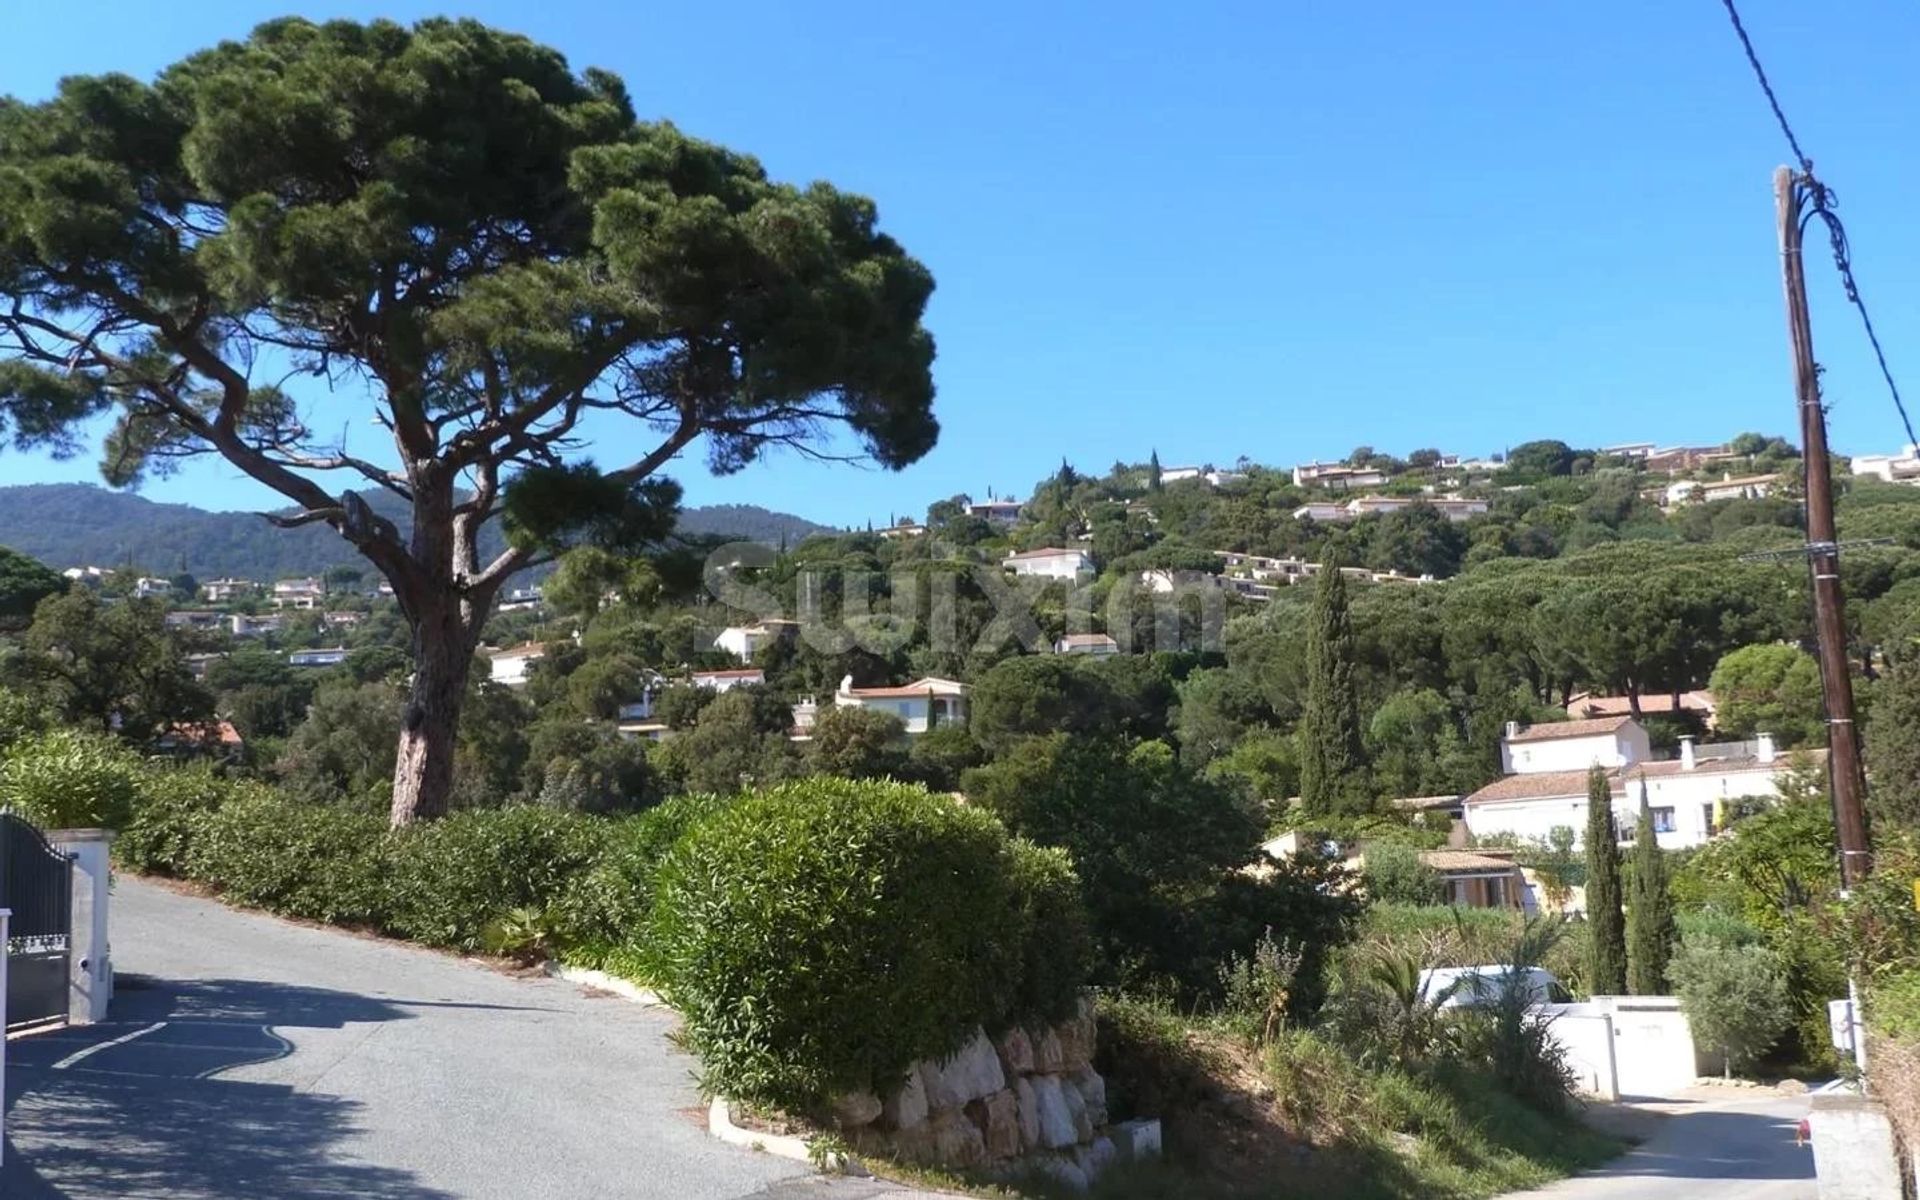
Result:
[1333,763]
[1153,471]
[1606,928]
[1649,912]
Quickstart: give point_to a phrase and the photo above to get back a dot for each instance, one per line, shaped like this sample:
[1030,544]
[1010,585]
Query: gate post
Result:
[90,957]
[5,916]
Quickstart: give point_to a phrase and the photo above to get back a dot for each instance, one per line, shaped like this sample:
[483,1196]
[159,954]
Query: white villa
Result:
[148,586]
[241,625]
[1903,467]
[1337,477]
[221,591]
[1727,487]
[1453,508]
[299,593]
[327,656]
[1095,645]
[922,705]
[1212,475]
[1051,562]
[745,641]
[1689,795]
[727,680]
[509,666]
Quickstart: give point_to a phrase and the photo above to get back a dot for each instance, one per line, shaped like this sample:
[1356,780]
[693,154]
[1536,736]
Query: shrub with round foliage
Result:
[823,935]
[171,810]
[67,779]
[318,861]
[1059,943]
[605,907]
[453,876]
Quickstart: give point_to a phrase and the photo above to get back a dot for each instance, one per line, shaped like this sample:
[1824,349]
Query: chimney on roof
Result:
[1764,749]
[1513,730]
[1686,752]
[846,684]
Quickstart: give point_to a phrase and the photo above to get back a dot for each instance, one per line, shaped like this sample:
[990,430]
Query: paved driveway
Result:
[1714,1144]
[249,1057]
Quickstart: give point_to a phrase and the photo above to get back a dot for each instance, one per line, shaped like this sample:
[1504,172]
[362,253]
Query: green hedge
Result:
[169,811]
[822,936]
[597,914]
[817,937]
[66,779]
[449,878]
[321,862]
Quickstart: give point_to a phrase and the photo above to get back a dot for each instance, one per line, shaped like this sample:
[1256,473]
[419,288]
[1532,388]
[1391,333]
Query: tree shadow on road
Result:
[136,1108]
[1717,1144]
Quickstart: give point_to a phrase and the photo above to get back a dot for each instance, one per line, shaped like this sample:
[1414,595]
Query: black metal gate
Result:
[36,882]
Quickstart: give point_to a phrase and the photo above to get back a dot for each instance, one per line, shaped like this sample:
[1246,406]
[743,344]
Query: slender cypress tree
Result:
[1606,928]
[1333,760]
[1153,472]
[1649,912]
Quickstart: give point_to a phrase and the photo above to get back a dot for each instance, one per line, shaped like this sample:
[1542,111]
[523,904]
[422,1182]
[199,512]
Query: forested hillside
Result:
[77,524]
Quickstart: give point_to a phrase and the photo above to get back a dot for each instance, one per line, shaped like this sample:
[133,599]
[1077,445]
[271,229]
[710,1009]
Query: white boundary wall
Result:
[6,915]
[1650,1050]
[1586,1035]
[90,954]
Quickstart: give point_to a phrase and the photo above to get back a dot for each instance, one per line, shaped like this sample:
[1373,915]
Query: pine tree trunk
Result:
[442,656]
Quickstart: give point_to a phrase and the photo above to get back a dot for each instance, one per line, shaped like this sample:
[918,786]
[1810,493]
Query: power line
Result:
[1823,205]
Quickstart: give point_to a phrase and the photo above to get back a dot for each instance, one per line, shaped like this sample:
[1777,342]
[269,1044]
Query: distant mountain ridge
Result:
[82,524]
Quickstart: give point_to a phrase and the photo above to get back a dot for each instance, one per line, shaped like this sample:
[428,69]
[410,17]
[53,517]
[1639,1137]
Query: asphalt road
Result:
[249,1057]
[1713,1144]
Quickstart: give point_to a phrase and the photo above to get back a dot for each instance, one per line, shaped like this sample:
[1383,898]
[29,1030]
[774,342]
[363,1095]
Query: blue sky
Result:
[1277,230]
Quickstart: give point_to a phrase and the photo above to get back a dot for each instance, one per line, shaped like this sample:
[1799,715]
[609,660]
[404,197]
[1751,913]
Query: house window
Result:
[1663,820]
[1706,817]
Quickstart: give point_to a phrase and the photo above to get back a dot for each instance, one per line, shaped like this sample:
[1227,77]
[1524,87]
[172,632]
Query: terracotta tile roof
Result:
[1742,481]
[1045,552]
[1538,786]
[1088,639]
[919,687]
[1587,707]
[732,673]
[523,650]
[1555,730]
[1424,803]
[1463,860]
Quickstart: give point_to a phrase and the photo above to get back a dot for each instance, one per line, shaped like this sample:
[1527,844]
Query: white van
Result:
[1480,987]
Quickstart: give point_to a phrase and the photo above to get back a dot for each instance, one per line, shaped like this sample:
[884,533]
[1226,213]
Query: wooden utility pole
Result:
[1823,551]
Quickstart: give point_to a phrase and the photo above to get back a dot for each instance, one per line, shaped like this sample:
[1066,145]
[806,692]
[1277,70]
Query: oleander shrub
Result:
[321,862]
[452,877]
[169,811]
[822,935]
[68,779]
[1057,952]
[601,910]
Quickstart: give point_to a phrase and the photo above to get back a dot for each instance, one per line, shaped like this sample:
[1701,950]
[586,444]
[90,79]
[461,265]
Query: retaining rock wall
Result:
[1027,1100]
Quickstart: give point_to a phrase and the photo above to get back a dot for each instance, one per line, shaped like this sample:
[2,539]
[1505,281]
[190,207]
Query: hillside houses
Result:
[509,667]
[1727,487]
[1453,508]
[745,641]
[926,703]
[1051,562]
[1903,467]
[1337,477]
[1690,795]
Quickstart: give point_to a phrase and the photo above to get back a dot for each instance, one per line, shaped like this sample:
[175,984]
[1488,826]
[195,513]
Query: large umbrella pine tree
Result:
[447,223]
